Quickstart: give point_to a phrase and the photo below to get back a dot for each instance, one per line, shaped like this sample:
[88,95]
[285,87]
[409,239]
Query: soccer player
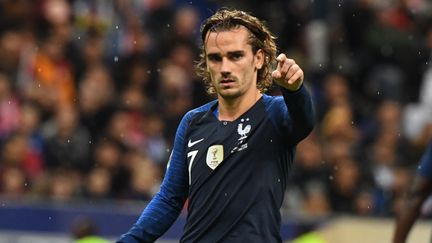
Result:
[232,156]
[419,191]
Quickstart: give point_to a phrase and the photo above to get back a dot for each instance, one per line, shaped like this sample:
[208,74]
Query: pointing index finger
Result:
[280,60]
[281,57]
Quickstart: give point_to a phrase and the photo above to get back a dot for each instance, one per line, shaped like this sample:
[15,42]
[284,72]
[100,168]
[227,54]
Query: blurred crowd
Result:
[91,92]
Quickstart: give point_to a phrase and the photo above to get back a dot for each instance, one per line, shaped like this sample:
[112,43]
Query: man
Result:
[419,191]
[232,156]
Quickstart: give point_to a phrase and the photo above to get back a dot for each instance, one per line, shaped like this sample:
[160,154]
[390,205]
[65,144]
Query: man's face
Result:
[232,65]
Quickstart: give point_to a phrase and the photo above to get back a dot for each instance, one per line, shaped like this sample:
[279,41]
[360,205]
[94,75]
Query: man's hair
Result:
[259,38]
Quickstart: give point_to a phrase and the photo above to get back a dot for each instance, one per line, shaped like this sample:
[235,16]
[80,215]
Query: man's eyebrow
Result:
[228,53]
[213,54]
[235,52]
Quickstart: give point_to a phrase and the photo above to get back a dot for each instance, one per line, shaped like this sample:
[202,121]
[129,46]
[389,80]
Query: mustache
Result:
[227,77]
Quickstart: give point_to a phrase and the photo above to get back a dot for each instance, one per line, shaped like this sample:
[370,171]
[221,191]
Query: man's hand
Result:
[287,74]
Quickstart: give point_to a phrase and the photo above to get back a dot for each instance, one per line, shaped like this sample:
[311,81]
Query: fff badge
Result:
[215,155]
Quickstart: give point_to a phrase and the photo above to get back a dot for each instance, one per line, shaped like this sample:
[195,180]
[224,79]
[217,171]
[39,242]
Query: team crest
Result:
[243,131]
[215,155]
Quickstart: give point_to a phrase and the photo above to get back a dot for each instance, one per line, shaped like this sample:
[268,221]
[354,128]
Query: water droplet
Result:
[331,178]
[168,25]
[226,194]
[79,37]
[298,24]
[419,167]
[340,5]
[352,122]
[167,150]
[148,71]
[158,70]
[278,179]
[25,184]
[378,93]
[340,67]
[116,27]
[9,102]
[49,217]
[116,59]
[68,141]
[271,140]
[320,65]
[90,141]
[134,42]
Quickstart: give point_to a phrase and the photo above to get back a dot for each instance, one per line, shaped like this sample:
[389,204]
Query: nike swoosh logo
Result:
[190,143]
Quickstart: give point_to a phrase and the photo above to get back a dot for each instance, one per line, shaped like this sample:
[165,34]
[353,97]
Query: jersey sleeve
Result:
[166,205]
[292,114]
[425,167]
[300,113]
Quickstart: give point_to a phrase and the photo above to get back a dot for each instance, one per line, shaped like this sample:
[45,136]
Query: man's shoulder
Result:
[202,108]
[272,98]
[272,101]
[196,112]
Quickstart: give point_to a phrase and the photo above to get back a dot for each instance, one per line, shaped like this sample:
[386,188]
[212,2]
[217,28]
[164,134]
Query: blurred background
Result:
[92,91]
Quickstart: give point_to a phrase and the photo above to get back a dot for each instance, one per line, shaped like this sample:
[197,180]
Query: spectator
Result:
[84,230]
[66,141]
[14,183]
[9,107]
[98,184]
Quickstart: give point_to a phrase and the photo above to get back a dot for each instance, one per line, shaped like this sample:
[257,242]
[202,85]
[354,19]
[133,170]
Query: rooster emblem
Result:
[243,131]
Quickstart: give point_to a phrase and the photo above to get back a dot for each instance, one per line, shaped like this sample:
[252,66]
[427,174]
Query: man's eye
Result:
[236,56]
[214,58]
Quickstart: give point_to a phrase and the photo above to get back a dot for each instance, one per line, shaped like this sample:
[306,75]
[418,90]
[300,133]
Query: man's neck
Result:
[232,108]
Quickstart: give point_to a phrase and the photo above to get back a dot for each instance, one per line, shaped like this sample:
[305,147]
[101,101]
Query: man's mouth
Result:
[226,83]
[226,80]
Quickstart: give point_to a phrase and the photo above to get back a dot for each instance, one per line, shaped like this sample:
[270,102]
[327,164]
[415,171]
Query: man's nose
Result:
[225,66]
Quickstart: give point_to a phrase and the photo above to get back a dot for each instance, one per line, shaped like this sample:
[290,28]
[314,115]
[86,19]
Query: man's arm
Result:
[301,113]
[411,210]
[167,204]
[289,76]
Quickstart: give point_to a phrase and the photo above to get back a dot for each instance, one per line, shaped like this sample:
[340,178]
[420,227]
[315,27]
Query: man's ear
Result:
[259,59]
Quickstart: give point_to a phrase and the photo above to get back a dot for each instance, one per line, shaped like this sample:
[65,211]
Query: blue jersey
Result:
[233,174]
[425,167]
